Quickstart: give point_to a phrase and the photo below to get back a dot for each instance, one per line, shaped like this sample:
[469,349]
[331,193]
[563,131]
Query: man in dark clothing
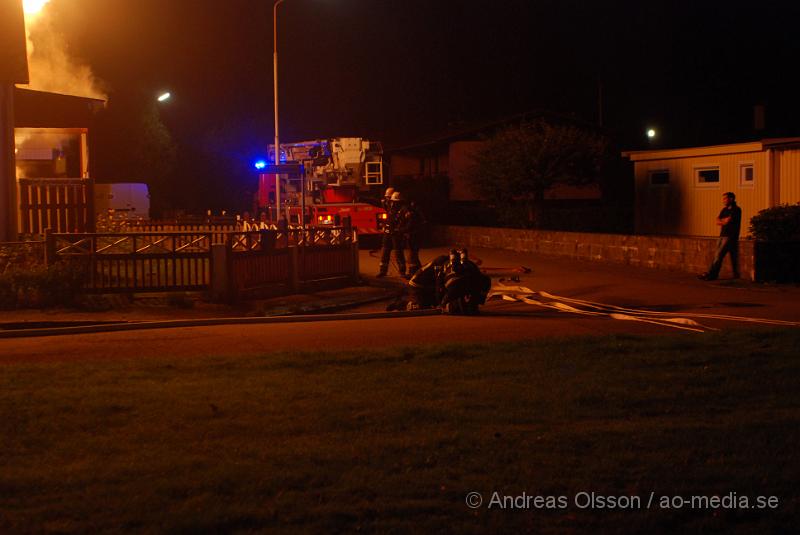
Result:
[393,238]
[410,224]
[730,223]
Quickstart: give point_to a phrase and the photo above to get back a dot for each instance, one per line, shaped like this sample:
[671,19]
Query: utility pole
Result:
[275,93]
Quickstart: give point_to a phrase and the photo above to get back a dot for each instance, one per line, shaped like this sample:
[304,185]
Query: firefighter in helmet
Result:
[386,202]
[426,286]
[393,238]
[453,282]
[465,286]
[410,224]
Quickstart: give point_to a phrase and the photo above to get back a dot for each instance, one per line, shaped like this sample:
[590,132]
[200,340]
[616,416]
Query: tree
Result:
[518,164]
[131,143]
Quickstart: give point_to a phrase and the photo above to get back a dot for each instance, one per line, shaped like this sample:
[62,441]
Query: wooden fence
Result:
[264,262]
[127,263]
[244,264]
[58,204]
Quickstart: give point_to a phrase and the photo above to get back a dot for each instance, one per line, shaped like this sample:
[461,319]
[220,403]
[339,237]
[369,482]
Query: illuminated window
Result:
[659,177]
[48,153]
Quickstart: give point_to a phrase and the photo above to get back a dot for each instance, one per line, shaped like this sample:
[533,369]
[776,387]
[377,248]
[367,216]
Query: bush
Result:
[42,286]
[180,300]
[779,223]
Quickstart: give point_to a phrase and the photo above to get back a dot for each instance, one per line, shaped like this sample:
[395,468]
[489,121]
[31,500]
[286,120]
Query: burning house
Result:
[54,189]
[44,151]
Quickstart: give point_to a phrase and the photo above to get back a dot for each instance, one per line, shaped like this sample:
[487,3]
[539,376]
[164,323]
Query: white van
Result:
[126,200]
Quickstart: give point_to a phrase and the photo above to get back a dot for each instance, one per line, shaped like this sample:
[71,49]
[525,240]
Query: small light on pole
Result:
[163,97]
[651,133]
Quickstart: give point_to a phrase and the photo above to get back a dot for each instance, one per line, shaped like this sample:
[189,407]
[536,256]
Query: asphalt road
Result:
[499,322]
[675,293]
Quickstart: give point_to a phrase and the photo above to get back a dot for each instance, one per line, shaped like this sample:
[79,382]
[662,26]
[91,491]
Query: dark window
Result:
[659,178]
[708,176]
[747,174]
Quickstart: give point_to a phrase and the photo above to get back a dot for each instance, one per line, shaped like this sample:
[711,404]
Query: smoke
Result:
[50,64]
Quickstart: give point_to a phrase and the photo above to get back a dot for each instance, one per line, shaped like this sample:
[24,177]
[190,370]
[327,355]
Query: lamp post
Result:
[275,93]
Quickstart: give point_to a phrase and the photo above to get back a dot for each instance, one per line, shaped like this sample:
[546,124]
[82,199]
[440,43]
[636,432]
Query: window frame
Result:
[707,167]
[741,166]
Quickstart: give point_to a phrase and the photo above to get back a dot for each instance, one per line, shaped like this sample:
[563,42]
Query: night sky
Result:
[401,70]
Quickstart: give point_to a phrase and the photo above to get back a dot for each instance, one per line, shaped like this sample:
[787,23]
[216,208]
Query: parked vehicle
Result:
[336,178]
[122,201]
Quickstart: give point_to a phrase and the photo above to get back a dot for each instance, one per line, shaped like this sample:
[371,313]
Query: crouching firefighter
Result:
[465,286]
[426,286]
[452,282]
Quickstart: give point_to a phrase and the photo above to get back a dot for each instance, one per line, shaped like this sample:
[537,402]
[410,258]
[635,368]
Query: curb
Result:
[171,324]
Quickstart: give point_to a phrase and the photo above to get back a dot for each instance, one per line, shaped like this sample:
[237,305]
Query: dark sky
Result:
[402,70]
[397,70]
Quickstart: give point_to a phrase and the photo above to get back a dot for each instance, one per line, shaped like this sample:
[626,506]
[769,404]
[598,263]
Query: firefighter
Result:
[392,237]
[453,282]
[465,286]
[426,286]
[412,223]
[386,202]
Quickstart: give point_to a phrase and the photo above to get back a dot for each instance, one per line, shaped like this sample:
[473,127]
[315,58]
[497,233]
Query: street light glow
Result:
[651,133]
[164,97]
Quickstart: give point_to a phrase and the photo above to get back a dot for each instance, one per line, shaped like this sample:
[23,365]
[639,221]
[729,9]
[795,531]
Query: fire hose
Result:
[591,308]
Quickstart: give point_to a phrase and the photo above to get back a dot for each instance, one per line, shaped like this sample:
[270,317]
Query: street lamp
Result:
[275,93]
[165,96]
[651,133]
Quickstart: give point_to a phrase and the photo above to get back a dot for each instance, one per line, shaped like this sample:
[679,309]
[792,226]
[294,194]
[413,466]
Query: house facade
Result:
[51,153]
[679,191]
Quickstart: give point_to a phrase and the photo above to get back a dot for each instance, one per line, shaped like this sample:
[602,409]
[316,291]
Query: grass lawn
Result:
[393,440]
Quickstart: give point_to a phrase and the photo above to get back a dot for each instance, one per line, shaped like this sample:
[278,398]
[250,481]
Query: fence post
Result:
[294,268]
[49,247]
[221,283]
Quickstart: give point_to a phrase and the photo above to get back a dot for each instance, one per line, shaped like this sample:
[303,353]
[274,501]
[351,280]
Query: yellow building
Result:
[679,191]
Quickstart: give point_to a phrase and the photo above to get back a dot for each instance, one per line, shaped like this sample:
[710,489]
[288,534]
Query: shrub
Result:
[42,286]
[779,223]
[180,300]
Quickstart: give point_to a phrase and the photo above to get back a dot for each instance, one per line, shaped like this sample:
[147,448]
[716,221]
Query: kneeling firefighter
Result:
[465,286]
[452,282]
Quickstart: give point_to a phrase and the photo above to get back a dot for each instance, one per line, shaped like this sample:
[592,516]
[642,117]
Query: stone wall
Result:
[678,253]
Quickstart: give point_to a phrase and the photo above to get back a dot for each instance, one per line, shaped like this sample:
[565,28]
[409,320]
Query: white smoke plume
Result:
[50,64]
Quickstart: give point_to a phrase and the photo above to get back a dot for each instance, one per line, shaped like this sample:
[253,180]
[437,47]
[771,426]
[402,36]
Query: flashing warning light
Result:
[260,164]
[382,216]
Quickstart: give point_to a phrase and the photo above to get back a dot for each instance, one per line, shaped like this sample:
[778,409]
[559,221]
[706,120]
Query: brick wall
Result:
[678,253]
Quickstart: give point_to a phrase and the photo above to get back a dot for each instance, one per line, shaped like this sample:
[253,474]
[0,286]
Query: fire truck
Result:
[335,176]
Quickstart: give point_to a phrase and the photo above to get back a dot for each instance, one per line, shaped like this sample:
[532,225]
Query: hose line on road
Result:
[591,308]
